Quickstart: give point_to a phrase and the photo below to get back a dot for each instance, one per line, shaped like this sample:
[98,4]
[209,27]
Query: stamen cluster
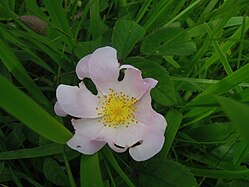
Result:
[117,109]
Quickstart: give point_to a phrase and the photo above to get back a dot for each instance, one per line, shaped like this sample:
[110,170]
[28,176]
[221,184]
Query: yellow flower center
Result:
[117,109]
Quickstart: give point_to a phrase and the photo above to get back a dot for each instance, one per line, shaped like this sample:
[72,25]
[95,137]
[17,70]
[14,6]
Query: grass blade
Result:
[174,119]
[58,16]
[220,53]
[109,156]
[69,172]
[90,174]
[15,67]
[16,103]
[45,150]
[238,114]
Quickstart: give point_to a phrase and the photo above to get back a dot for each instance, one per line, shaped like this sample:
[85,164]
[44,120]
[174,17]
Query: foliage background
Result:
[198,50]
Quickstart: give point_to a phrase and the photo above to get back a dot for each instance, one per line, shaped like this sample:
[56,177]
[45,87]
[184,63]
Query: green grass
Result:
[197,49]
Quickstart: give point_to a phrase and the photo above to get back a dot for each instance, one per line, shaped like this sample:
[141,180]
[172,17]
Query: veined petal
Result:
[133,83]
[77,101]
[152,142]
[104,68]
[82,68]
[145,113]
[84,139]
[58,110]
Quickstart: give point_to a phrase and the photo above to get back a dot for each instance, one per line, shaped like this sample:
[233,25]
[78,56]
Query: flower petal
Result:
[152,142]
[84,139]
[58,110]
[133,83]
[82,68]
[144,141]
[104,68]
[77,102]
[145,113]
[122,137]
[89,127]
[117,148]
[83,144]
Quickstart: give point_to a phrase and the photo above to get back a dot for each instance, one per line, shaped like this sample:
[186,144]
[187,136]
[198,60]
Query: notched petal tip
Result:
[58,110]
[77,102]
[133,83]
[137,144]
[82,68]
[152,82]
[104,68]
[151,144]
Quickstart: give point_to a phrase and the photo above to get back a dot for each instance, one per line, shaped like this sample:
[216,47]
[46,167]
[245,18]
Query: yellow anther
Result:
[117,109]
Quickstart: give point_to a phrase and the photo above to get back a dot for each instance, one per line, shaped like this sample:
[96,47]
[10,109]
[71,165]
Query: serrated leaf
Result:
[168,41]
[164,92]
[163,173]
[125,35]
[54,173]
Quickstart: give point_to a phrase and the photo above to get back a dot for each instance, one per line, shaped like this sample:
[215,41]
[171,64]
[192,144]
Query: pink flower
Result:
[120,114]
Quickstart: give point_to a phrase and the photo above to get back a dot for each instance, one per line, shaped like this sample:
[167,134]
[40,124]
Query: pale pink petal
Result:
[133,83]
[83,144]
[58,110]
[145,113]
[152,82]
[104,68]
[77,102]
[120,136]
[117,148]
[84,139]
[152,142]
[144,141]
[82,68]
[87,126]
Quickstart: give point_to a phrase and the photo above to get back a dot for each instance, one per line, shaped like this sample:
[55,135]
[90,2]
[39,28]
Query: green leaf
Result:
[16,103]
[234,183]
[69,171]
[216,132]
[168,41]
[164,92]
[15,67]
[54,173]
[125,35]
[163,173]
[58,16]
[238,113]
[6,176]
[220,53]
[111,159]
[60,26]
[221,174]
[97,26]
[1,166]
[219,88]
[90,174]
[45,150]
[174,119]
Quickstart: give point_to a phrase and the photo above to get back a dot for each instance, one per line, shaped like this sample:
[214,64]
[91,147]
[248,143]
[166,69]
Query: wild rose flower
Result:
[120,114]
